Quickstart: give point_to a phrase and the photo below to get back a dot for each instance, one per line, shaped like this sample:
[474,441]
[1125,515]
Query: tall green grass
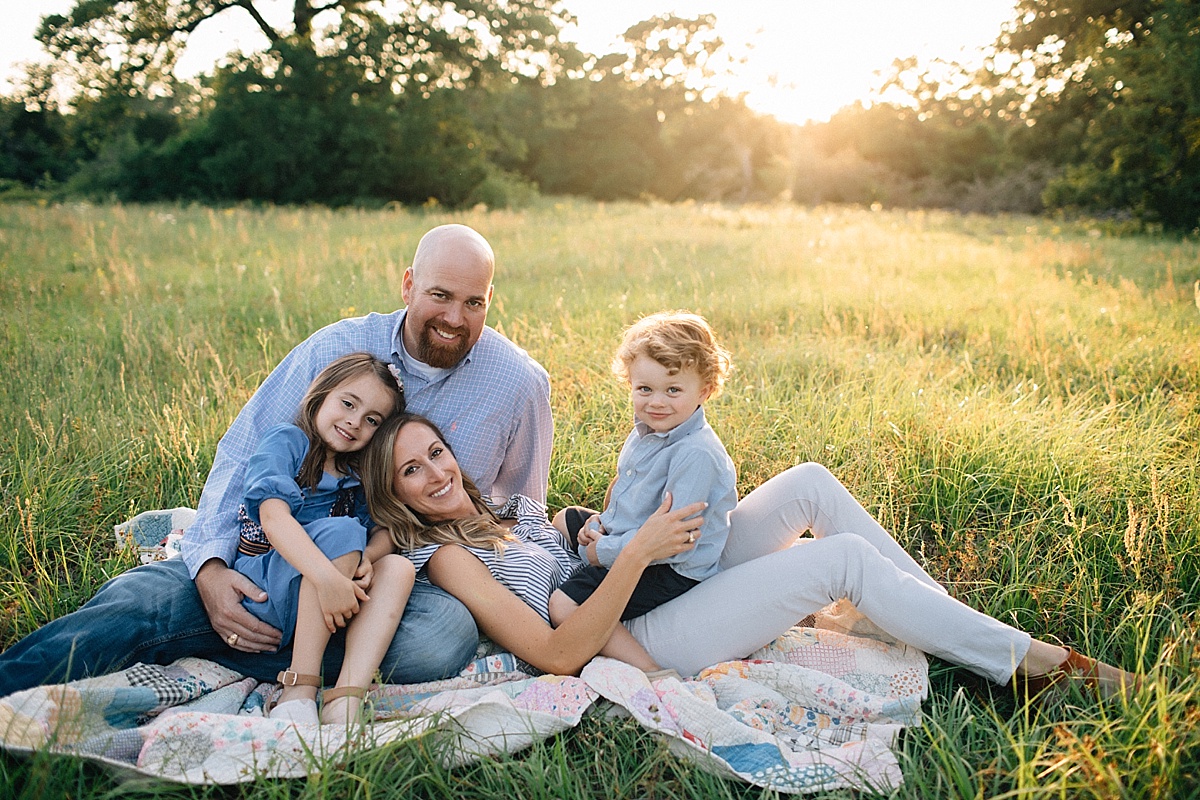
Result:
[1018,400]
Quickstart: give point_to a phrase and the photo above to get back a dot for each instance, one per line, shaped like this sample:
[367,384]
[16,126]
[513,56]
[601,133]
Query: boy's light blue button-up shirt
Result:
[690,462]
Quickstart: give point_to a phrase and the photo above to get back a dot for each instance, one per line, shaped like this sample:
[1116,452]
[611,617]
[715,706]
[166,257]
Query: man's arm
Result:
[526,466]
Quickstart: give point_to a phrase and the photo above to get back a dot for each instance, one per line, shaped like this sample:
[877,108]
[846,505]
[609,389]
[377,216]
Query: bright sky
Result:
[808,59]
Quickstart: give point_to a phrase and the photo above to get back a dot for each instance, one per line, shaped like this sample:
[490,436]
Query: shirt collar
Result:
[690,425]
[410,363]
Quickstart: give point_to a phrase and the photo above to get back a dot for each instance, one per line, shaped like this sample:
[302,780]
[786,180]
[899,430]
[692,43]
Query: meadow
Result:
[1018,399]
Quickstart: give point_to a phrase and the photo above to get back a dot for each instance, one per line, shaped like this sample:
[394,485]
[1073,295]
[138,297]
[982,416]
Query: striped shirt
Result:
[533,564]
[493,407]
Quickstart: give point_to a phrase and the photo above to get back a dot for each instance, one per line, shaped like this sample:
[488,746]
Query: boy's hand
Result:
[591,531]
[339,597]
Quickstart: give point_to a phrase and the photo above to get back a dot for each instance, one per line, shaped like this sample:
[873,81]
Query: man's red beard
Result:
[437,353]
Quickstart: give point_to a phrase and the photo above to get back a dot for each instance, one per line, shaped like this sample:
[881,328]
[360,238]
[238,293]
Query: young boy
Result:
[672,363]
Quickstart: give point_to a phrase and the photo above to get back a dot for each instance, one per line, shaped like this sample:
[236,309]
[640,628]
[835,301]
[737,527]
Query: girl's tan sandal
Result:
[357,720]
[289,678]
[344,691]
[299,710]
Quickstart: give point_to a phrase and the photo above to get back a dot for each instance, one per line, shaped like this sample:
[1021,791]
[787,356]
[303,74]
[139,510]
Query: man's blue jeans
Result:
[153,614]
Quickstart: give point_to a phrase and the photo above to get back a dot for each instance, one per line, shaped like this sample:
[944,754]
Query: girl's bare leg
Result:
[308,645]
[370,633]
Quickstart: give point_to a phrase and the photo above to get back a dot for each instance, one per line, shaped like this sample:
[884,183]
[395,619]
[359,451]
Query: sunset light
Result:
[804,60]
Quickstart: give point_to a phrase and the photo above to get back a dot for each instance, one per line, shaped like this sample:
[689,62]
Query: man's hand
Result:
[221,590]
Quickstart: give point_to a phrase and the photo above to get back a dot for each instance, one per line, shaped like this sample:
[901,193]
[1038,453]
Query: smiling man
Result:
[488,395]
[447,291]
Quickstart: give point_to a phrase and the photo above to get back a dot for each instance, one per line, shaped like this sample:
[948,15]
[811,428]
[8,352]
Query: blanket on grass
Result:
[818,709]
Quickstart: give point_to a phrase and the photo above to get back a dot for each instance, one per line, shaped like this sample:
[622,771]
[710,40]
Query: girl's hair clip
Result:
[392,368]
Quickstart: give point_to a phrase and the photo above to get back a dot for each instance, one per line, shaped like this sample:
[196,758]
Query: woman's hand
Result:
[339,597]
[668,532]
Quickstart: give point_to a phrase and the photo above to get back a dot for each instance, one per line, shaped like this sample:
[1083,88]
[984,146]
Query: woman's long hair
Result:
[410,529]
[340,370]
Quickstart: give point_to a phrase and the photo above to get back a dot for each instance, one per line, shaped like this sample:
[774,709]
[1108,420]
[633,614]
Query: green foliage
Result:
[1074,30]
[1127,118]
[501,189]
[33,144]
[289,126]
[393,105]
[609,139]
[1087,106]
[942,154]
[136,43]
[1141,148]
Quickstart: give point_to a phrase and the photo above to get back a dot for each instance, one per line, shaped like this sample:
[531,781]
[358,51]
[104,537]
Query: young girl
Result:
[308,542]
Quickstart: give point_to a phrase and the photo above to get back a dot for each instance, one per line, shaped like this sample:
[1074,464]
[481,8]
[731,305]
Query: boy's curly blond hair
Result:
[676,340]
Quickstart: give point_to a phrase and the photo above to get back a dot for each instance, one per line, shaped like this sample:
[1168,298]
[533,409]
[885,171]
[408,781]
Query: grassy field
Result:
[1018,400]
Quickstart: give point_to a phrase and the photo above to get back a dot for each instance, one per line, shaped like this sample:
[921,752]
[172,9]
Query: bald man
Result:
[490,398]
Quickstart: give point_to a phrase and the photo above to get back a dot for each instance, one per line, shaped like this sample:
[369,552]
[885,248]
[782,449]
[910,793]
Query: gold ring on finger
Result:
[232,639]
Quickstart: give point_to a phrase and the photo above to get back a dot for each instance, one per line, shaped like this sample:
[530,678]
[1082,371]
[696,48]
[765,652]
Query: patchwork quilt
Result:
[818,709]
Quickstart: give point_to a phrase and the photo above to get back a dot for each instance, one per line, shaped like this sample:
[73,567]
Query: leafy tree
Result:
[314,131]
[1059,37]
[35,145]
[669,51]
[1119,102]
[406,100]
[945,139]
[647,120]
[404,43]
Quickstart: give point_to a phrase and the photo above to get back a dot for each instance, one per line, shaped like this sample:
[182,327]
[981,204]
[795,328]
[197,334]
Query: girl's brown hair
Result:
[410,529]
[343,369]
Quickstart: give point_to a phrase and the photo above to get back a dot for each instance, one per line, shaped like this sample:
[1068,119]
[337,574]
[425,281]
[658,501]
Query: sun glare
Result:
[800,61]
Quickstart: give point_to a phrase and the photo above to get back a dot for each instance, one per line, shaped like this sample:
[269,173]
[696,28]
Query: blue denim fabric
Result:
[153,614]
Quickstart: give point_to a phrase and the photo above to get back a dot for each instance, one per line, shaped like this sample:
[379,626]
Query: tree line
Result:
[1089,106]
